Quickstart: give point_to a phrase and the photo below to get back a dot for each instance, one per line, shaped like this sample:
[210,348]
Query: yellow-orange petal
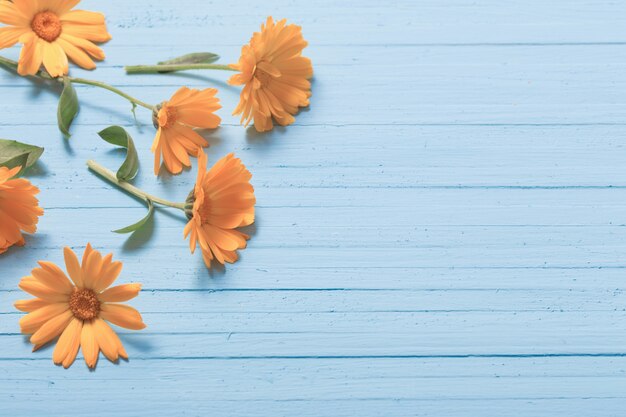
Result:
[91,269]
[73,267]
[28,306]
[31,322]
[106,341]
[94,33]
[83,17]
[12,15]
[77,55]
[54,59]
[83,44]
[36,288]
[120,293]
[74,345]
[52,276]
[9,36]
[89,344]
[51,329]
[123,316]
[66,341]
[109,274]
[31,55]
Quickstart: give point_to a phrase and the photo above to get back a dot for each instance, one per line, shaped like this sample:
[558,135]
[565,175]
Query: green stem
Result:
[155,69]
[8,63]
[112,89]
[110,176]
[12,66]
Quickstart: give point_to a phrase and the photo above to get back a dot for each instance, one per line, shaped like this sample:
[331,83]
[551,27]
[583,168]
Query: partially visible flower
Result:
[221,201]
[175,119]
[51,32]
[274,74]
[76,310]
[19,208]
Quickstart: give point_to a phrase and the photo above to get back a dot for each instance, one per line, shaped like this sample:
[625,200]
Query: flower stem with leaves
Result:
[111,177]
[68,102]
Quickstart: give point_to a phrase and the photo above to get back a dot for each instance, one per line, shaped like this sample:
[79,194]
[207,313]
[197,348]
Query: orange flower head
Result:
[52,32]
[77,309]
[221,201]
[274,74]
[19,208]
[175,120]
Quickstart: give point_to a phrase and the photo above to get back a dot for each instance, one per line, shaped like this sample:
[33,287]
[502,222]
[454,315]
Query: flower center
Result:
[264,78]
[167,116]
[46,25]
[203,210]
[84,304]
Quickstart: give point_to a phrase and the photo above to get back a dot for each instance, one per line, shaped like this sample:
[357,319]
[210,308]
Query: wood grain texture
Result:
[442,233]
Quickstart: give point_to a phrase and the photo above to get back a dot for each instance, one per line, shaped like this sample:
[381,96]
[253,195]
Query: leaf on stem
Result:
[13,154]
[194,58]
[136,226]
[117,135]
[68,107]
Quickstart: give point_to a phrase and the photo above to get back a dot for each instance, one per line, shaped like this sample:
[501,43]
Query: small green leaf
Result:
[195,58]
[117,135]
[13,154]
[68,107]
[134,227]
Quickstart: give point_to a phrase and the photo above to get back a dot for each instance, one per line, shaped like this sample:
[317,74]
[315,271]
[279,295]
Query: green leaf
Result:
[195,58]
[134,227]
[117,135]
[13,154]
[68,107]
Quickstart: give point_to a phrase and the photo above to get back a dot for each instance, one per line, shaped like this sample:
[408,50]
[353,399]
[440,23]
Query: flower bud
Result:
[191,199]
[155,115]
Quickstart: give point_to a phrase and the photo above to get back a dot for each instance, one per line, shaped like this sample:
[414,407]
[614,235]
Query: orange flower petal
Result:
[68,342]
[123,316]
[51,329]
[77,55]
[73,267]
[36,288]
[9,36]
[107,339]
[31,322]
[274,74]
[120,293]
[30,305]
[89,344]
[54,59]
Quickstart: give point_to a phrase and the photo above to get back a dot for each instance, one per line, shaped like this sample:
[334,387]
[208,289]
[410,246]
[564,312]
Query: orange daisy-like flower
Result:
[222,200]
[76,310]
[19,208]
[275,76]
[51,32]
[175,120]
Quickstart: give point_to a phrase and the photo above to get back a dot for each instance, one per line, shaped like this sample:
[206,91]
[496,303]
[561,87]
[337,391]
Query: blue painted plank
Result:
[440,234]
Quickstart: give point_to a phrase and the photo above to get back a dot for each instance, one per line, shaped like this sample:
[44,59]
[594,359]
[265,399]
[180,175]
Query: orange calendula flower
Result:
[275,76]
[222,200]
[51,32]
[19,208]
[175,120]
[76,310]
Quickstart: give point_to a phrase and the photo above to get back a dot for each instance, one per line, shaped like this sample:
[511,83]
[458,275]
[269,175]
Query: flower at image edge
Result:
[274,74]
[77,310]
[50,33]
[19,208]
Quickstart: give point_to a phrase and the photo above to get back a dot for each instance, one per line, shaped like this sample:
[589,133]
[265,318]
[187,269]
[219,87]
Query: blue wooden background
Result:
[441,234]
